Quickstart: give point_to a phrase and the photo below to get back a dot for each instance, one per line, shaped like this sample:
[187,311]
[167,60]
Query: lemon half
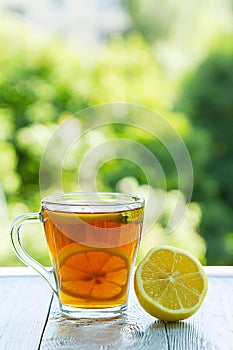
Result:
[170,283]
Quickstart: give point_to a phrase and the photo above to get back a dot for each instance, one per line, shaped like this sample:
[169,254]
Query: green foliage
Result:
[206,98]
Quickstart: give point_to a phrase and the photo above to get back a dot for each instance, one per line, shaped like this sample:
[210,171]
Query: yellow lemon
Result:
[170,283]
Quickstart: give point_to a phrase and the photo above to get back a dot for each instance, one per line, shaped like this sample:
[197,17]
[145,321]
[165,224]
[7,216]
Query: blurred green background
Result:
[171,56]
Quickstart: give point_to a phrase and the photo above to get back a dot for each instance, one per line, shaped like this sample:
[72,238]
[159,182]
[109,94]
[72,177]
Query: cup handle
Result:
[15,233]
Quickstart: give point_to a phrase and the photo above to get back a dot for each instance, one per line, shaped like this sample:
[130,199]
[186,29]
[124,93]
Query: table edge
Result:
[211,271]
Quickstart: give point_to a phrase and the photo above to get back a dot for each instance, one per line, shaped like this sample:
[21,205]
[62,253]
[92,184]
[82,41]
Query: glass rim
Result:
[96,199]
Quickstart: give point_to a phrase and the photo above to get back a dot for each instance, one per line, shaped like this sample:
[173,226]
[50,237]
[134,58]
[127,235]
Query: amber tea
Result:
[93,254]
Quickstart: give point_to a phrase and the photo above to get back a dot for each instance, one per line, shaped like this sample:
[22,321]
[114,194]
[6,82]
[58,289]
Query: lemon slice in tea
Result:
[170,283]
[94,274]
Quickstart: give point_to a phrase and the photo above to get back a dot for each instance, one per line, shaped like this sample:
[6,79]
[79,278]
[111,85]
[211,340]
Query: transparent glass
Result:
[92,240]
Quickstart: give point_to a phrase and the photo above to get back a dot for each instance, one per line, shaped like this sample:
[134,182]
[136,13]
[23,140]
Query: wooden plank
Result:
[211,327]
[135,330]
[24,304]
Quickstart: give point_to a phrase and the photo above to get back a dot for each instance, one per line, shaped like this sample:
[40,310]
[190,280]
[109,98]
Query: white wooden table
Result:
[29,319]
